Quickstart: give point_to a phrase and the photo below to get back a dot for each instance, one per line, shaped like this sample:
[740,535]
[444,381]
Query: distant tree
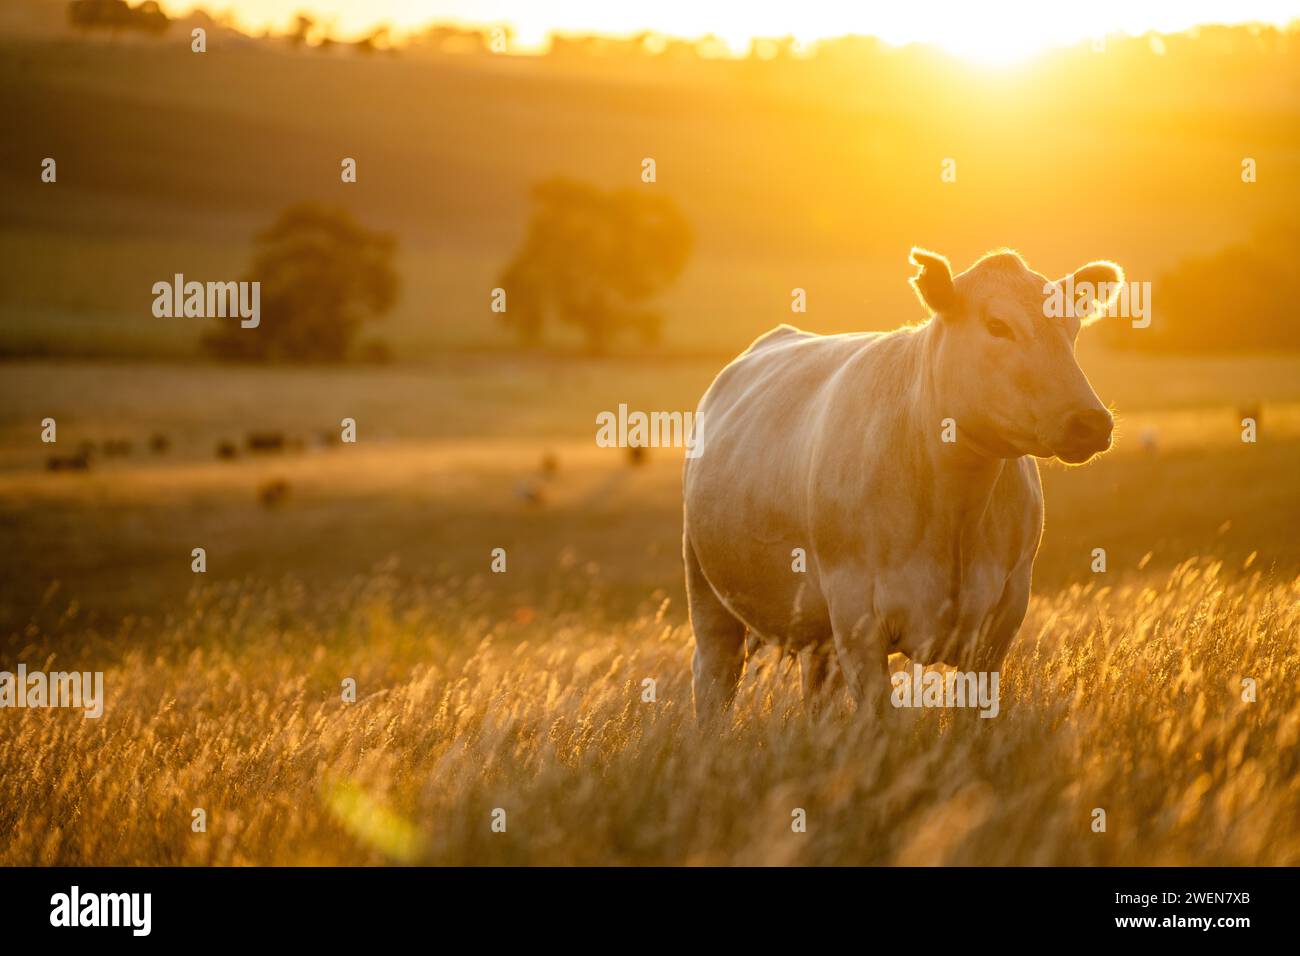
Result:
[591,258]
[322,275]
[302,25]
[1236,299]
[456,40]
[379,39]
[114,15]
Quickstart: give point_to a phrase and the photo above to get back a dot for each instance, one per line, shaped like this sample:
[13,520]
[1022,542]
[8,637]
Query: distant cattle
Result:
[273,493]
[530,492]
[264,442]
[868,493]
[79,461]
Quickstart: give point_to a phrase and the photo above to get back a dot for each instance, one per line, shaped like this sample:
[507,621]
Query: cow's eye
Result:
[999,329]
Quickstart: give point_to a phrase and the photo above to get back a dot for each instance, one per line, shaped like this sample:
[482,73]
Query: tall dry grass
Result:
[1126,698]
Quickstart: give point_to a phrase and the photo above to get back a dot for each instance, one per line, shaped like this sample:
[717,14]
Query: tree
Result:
[302,26]
[322,275]
[114,15]
[1238,298]
[591,259]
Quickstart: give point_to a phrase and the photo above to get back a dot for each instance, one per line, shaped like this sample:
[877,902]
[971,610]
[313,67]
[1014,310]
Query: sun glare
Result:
[997,44]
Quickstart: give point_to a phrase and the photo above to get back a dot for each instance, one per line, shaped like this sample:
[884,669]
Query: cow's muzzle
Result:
[1085,434]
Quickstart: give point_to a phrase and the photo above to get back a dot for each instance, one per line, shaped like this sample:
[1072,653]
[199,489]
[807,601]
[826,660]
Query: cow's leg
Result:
[1005,623]
[819,677]
[863,656]
[719,642]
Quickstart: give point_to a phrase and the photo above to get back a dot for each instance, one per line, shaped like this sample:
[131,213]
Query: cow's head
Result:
[1004,353]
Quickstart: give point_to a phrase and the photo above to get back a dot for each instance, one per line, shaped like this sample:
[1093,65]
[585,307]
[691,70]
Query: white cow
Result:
[902,464]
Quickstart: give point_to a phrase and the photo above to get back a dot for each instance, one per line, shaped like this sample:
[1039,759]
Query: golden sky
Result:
[991,30]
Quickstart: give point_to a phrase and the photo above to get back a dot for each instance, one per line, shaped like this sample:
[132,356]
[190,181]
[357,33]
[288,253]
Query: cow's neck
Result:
[963,474]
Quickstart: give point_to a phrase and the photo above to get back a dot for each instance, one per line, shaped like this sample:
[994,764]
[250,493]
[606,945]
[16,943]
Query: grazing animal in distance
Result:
[79,461]
[530,492]
[265,442]
[901,465]
[273,493]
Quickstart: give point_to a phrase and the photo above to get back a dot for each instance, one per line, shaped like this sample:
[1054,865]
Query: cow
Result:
[862,494]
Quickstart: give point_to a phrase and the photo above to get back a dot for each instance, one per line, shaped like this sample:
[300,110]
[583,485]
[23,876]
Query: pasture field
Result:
[524,690]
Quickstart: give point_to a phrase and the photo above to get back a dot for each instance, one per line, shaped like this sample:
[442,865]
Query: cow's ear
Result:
[1096,287]
[933,284]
